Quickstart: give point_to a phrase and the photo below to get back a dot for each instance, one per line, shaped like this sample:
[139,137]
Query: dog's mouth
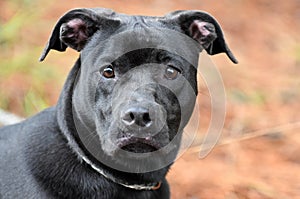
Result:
[139,145]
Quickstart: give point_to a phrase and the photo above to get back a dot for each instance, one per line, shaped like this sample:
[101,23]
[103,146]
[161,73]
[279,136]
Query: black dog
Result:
[118,123]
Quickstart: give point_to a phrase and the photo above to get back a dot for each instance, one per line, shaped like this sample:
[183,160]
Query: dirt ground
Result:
[258,154]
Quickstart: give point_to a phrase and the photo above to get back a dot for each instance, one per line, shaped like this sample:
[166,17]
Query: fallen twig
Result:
[247,136]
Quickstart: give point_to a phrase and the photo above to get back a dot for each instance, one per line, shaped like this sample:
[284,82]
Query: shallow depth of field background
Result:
[263,90]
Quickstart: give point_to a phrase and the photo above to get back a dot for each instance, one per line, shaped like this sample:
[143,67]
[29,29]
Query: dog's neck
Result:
[122,182]
[66,124]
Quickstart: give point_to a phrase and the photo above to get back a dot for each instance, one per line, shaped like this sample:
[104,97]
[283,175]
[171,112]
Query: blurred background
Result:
[258,155]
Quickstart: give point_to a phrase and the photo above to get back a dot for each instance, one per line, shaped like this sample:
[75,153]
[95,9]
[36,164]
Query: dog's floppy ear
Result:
[202,27]
[75,28]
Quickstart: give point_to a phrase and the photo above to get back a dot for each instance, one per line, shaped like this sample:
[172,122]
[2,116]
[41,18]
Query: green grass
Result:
[256,97]
[19,62]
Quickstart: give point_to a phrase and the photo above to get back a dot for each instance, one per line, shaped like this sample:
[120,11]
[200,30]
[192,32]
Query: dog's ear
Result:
[202,27]
[75,28]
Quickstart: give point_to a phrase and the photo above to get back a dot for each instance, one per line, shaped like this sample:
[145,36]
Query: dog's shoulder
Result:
[12,134]
[15,176]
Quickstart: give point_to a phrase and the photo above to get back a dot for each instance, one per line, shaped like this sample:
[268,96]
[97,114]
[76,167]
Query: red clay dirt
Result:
[262,92]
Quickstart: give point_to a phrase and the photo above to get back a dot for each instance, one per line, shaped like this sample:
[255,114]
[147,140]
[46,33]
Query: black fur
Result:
[45,157]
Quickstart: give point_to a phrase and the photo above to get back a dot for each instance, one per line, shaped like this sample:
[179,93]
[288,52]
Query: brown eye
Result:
[108,72]
[171,72]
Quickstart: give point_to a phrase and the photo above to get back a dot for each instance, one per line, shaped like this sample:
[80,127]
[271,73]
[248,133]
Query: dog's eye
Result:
[108,72]
[171,72]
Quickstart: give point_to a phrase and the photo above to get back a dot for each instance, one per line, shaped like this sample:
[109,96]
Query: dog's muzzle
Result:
[139,124]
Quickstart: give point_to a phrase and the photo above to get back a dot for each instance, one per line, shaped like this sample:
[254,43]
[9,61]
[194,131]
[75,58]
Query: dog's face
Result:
[137,86]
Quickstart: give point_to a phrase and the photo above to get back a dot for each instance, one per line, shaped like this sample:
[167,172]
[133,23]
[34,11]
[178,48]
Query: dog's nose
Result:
[137,115]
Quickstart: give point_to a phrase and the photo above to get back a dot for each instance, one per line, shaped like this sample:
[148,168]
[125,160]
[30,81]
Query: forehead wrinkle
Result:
[126,39]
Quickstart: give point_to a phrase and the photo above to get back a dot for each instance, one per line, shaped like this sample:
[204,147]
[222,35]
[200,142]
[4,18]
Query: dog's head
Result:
[137,86]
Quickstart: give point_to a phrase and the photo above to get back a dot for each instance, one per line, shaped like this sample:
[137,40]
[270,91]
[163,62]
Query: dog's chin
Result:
[139,155]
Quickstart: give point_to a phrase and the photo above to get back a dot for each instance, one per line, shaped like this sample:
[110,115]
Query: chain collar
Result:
[151,186]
